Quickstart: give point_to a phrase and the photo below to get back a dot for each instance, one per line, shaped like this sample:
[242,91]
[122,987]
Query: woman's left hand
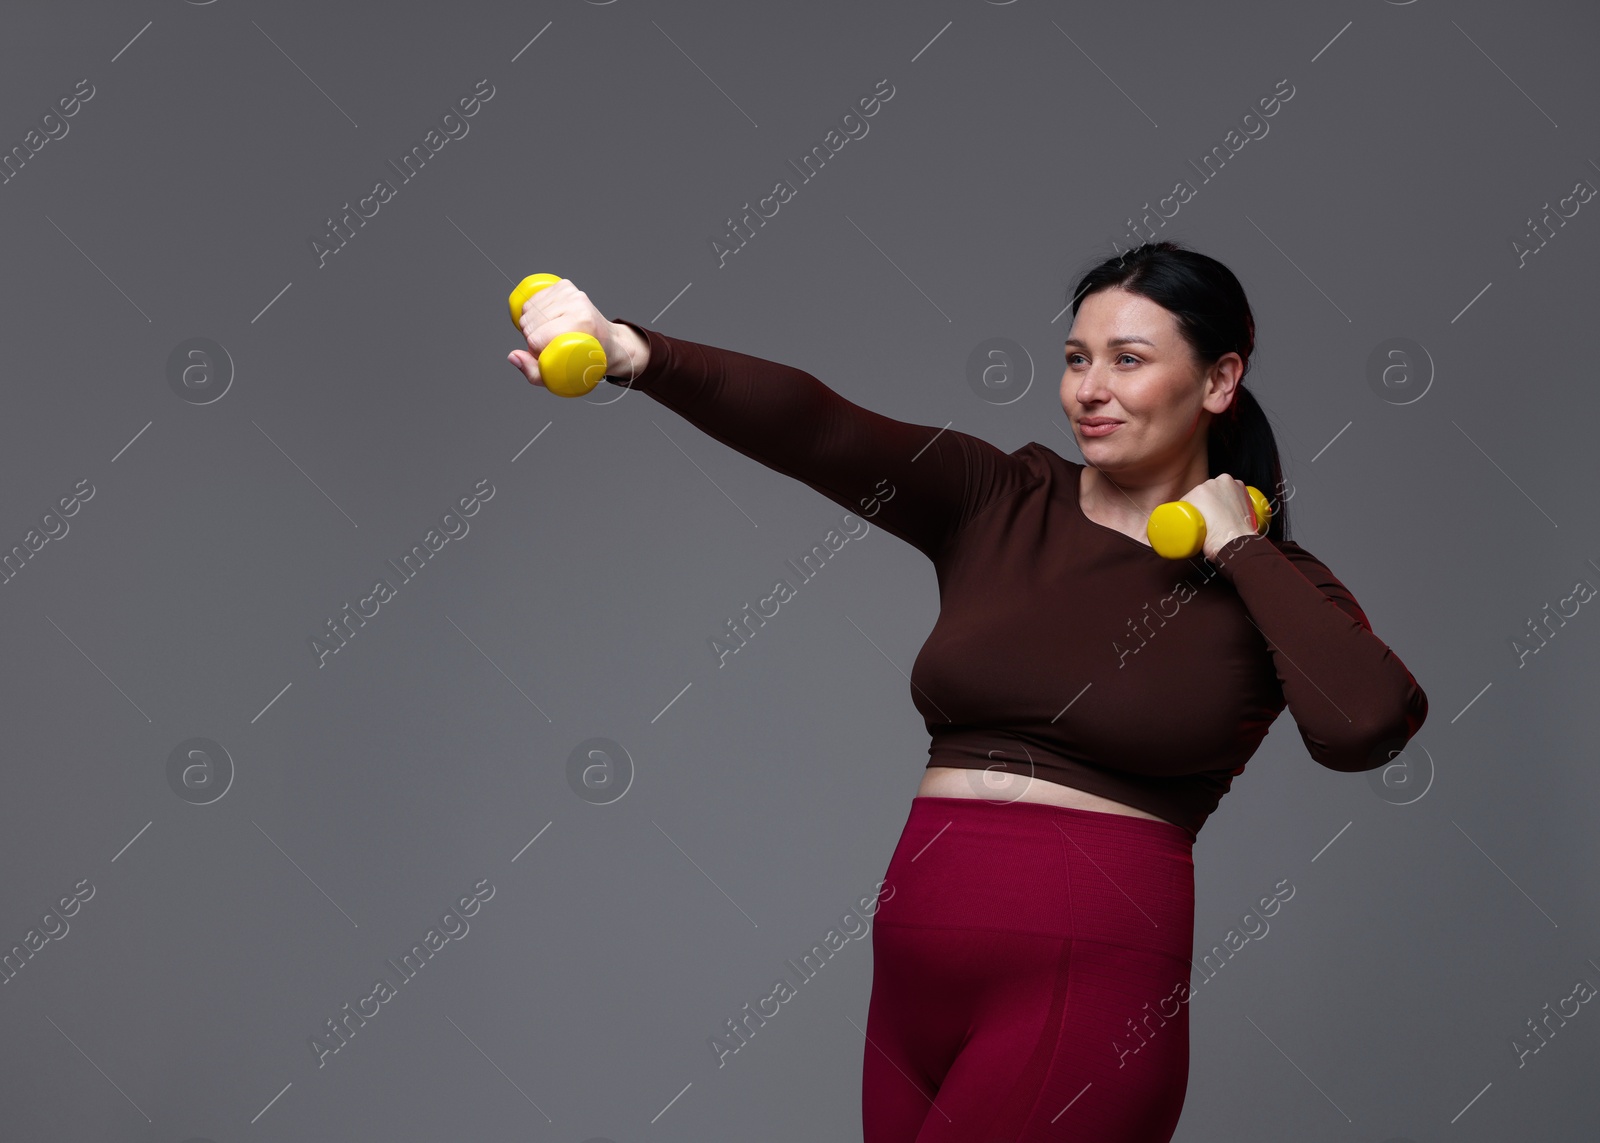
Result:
[1227,509]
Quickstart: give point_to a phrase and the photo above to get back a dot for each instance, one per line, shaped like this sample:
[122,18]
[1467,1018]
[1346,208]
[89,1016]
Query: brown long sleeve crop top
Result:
[1064,649]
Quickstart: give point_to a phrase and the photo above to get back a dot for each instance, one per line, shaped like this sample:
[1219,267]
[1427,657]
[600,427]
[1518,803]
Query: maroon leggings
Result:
[1030,977]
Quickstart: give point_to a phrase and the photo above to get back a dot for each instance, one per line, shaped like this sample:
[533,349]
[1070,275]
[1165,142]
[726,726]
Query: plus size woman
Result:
[1088,702]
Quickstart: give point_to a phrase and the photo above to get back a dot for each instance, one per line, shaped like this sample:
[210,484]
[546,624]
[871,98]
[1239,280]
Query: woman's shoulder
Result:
[1303,559]
[1044,460]
[1023,469]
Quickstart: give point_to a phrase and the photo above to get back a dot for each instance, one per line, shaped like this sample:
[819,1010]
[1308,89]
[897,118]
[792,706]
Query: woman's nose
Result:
[1091,387]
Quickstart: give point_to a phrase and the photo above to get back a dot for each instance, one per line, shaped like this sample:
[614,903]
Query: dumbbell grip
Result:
[571,364]
[1177,529]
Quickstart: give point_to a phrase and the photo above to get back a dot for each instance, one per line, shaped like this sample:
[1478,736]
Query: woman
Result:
[1088,701]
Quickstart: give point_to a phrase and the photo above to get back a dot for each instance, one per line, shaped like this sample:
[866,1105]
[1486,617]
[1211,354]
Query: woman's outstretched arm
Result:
[918,482]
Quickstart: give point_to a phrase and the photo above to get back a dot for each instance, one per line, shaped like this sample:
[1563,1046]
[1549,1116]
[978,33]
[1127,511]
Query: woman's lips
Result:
[1104,428]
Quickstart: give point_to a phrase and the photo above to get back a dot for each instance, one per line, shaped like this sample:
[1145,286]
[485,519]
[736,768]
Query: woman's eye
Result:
[1074,358]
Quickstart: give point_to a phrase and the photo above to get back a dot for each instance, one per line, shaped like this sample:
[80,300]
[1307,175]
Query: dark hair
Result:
[1214,318]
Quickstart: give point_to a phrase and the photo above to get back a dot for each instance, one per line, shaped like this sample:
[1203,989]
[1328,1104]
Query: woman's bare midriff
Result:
[999,786]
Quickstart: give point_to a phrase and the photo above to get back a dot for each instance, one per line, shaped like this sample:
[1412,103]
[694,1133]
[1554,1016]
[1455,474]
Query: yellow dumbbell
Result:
[1177,530]
[573,363]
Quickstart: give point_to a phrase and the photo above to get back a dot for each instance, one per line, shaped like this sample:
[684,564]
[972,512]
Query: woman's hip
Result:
[1054,871]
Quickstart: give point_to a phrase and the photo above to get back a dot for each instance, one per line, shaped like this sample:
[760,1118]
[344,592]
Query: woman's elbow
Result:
[1363,744]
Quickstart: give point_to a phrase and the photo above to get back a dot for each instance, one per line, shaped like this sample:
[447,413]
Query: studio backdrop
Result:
[397,750]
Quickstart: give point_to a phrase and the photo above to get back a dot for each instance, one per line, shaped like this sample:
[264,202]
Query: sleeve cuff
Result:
[660,357]
[1242,550]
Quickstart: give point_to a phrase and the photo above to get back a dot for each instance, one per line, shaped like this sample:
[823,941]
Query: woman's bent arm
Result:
[1350,695]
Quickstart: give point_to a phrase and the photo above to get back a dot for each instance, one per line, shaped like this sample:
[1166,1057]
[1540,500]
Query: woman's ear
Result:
[1222,383]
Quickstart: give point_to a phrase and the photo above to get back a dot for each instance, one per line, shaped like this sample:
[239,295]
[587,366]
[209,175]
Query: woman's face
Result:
[1126,362]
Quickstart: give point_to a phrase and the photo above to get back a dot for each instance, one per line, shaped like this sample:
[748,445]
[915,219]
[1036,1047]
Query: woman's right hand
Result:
[563,308]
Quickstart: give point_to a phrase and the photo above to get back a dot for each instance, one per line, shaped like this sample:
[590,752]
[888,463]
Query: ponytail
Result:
[1240,443]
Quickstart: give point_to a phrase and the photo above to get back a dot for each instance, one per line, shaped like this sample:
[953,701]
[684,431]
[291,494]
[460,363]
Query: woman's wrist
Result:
[632,352]
[1229,545]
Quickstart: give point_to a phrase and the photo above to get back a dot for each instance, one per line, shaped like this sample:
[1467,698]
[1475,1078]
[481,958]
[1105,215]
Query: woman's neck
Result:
[1124,501]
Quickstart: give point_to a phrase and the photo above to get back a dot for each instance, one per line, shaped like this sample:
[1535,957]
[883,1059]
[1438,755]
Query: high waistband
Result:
[982,809]
[1054,871]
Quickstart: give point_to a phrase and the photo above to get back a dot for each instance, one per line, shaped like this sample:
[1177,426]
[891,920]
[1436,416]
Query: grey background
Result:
[1434,913]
